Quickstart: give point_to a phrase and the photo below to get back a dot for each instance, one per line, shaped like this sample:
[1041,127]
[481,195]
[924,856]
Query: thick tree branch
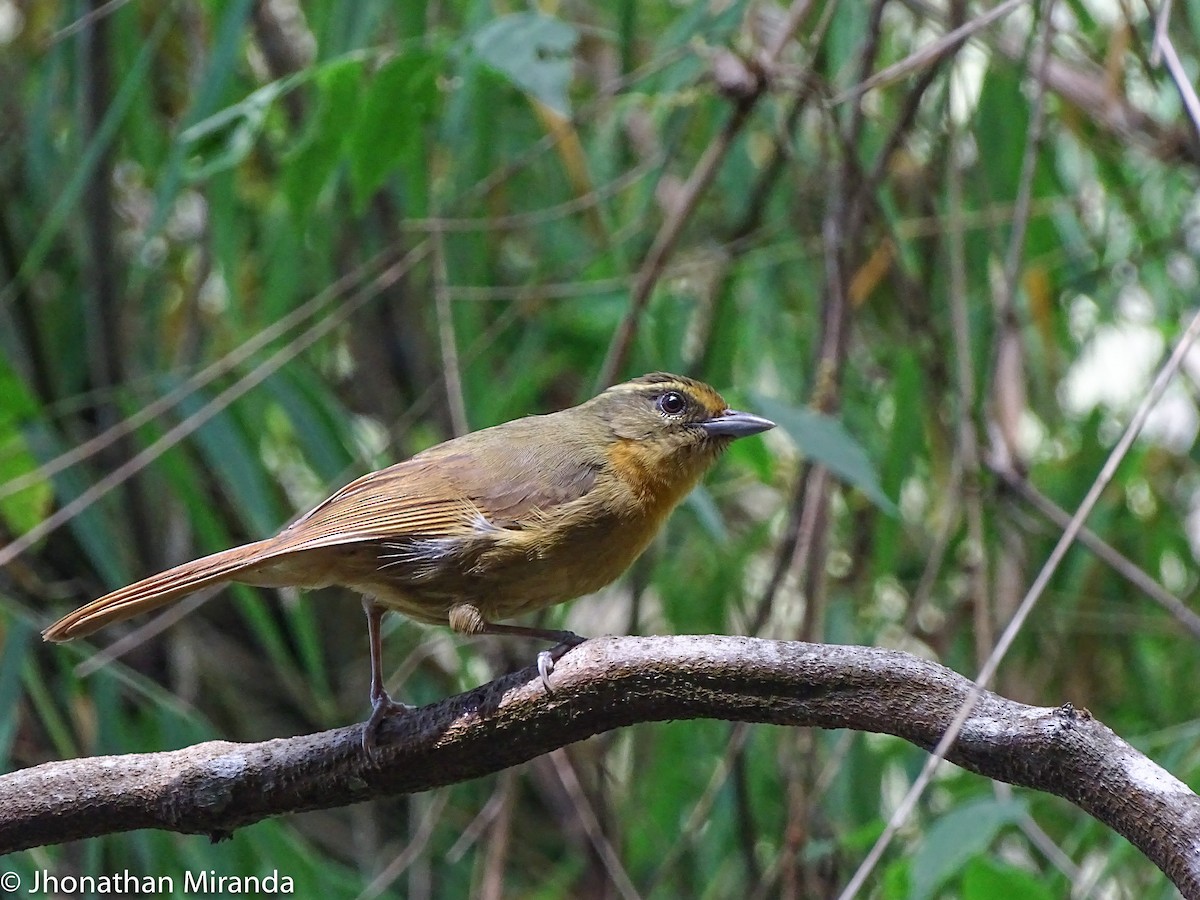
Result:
[607,683]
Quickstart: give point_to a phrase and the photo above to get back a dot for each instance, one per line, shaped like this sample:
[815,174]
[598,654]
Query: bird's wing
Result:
[447,494]
[405,499]
[524,482]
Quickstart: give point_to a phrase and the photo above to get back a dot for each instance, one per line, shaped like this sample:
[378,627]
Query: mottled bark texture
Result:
[607,683]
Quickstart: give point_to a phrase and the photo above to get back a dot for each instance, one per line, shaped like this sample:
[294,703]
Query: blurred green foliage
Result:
[293,222]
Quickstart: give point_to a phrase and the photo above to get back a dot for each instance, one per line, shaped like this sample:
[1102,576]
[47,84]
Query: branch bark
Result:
[213,788]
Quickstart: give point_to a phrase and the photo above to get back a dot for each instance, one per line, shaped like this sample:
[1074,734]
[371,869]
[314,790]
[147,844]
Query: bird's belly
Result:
[554,575]
[505,576]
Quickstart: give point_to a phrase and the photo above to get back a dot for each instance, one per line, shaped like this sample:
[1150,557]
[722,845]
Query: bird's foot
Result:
[382,706]
[547,658]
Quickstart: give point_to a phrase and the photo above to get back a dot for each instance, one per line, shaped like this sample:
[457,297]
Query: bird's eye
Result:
[672,403]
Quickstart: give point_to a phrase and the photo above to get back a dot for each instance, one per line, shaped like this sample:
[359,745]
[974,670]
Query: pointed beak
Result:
[734,424]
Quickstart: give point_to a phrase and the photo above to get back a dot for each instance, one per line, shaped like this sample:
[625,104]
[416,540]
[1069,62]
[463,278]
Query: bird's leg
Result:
[382,705]
[467,619]
[564,641]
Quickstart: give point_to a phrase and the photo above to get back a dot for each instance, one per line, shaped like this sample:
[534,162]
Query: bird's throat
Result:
[656,480]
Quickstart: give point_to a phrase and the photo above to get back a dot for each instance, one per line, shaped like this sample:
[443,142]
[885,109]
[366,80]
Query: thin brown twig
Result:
[664,243]
[563,290]
[751,220]
[86,20]
[866,61]
[186,427]
[179,610]
[414,850]
[969,468]
[546,215]
[1012,263]
[1162,25]
[1038,837]
[1029,163]
[928,54]
[912,103]
[988,671]
[813,526]
[1117,561]
[451,372]
[567,775]
[216,787]
[1164,47]
[483,819]
[311,308]
[702,808]
[496,857]
[697,183]
[317,303]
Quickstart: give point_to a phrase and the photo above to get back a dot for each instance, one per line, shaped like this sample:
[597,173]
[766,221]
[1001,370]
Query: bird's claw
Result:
[381,708]
[547,658]
[545,665]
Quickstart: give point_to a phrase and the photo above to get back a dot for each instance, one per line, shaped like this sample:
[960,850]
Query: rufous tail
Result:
[158,590]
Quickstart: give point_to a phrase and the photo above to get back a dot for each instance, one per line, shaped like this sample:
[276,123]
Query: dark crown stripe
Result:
[659,382]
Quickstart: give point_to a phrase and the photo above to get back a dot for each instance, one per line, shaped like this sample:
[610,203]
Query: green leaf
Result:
[985,878]
[310,165]
[232,457]
[1193,17]
[91,526]
[903,446]
[388,134]
[83,169]
[824,440]
[314,422]
[533,52]
[224,139]
[956,838]
[847,32]
[16,644]
[701,502]
[1003,121]
[24,509]
[896,879]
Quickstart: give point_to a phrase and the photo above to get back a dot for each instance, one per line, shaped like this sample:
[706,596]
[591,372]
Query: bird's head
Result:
[665,430]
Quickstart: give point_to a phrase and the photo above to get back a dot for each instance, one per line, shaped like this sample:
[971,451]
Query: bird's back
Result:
[505,518]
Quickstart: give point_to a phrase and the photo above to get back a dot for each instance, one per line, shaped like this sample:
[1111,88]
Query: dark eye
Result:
[672,403]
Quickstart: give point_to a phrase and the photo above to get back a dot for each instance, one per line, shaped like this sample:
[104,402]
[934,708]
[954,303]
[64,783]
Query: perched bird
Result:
[487,526]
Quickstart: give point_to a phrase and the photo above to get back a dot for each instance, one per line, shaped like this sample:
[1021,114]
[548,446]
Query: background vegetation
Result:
[252,249]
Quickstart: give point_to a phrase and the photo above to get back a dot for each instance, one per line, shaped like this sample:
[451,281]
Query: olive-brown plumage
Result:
[487,526]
